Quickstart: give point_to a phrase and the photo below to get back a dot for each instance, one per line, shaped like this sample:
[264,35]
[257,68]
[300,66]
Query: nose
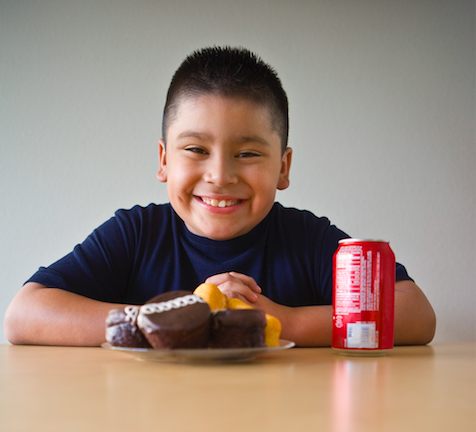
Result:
[221,171]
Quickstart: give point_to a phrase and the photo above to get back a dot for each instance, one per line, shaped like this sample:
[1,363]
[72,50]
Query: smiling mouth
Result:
[219,203]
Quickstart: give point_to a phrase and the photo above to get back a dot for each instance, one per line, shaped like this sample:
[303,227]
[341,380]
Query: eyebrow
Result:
[241,139]
[191,134]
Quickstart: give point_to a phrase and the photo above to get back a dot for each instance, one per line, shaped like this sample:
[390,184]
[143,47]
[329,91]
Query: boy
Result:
[223,155]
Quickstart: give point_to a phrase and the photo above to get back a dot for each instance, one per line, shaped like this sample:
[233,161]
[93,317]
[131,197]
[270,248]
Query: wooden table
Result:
[429,388]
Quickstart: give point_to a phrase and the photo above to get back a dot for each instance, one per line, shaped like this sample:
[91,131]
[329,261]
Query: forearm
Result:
[415,320]
[50,316]
[307,326]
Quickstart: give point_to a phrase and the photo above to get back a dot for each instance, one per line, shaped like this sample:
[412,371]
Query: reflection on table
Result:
[90,389]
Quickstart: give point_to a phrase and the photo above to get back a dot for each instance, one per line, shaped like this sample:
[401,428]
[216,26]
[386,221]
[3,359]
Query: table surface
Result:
[424,388]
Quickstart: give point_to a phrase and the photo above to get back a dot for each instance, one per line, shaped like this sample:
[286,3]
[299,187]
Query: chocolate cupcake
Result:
[174,320]
[122,330]
[237,328]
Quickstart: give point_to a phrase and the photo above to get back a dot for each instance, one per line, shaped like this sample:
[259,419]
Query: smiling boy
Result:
[223,164]
[223,156]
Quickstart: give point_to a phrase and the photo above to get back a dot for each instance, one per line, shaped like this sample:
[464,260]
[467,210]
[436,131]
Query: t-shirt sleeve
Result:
[401,273]
[99,267]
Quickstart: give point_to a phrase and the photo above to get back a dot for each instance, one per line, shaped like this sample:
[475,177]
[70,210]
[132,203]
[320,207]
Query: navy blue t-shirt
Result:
[143,252]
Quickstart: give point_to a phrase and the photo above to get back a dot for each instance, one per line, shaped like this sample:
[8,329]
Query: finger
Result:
[249,298]
[243,299]
[247,280]
[219,279]
[239,290]
[224,277]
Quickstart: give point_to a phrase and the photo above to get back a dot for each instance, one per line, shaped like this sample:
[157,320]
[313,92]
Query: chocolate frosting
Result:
[173,311]
[243,318]
[169,295]
[122,330]
[237,328]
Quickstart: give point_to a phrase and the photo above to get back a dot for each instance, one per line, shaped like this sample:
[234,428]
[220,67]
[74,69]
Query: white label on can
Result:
[361,335]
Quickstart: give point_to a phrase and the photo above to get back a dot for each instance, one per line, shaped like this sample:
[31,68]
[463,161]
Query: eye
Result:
[247,154]
[196,150]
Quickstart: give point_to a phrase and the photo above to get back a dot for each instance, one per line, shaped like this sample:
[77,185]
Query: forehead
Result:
[217,113]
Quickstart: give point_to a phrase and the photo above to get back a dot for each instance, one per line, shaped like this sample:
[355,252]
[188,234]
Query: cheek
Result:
[176,187]
[265,191]
[265,180]
[183,178]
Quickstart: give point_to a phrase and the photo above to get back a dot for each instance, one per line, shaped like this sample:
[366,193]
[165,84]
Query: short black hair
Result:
[229,72]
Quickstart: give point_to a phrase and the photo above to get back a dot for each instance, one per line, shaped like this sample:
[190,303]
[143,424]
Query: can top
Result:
[353,240]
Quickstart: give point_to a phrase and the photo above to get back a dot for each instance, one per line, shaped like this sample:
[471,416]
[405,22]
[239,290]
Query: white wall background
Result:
[382,100]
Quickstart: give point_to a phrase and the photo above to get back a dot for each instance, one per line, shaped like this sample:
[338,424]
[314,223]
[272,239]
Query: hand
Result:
[236,285]
[306,325]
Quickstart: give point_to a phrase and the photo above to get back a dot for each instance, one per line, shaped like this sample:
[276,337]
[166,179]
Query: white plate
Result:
[200,355]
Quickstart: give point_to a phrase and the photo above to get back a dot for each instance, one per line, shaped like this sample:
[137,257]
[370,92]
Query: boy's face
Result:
[222,165]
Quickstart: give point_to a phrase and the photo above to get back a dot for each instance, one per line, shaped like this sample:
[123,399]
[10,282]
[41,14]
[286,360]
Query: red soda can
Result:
[363,297]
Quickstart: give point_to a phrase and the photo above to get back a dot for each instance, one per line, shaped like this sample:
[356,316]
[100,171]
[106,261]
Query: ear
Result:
[162,173]
[283,181]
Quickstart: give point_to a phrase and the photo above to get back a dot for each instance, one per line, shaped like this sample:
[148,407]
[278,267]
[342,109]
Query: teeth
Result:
[215,203]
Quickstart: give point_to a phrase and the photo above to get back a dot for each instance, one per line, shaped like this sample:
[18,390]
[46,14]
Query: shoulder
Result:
[304,224]
[290,217]
[137,220]
[143,212]
[144,215]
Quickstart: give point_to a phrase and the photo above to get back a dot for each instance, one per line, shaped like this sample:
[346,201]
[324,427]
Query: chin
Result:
[221,236]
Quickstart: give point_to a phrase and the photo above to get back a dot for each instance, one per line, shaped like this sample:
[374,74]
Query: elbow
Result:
[16,322]
[415,319]
[417,328]
[429,330]
[424,330]
[12,329]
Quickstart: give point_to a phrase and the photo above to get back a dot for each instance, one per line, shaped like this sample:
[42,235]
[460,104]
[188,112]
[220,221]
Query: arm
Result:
[305,326]
[50,316]
[415,320]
